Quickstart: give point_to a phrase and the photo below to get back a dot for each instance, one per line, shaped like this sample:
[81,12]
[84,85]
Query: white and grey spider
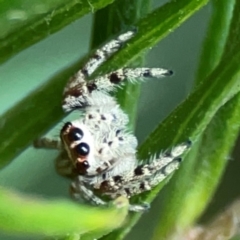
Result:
[97,150]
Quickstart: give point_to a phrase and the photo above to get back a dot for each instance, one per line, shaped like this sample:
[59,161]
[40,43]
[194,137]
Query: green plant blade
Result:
[26,22]
[20,117]
[21,214]
[194,190]
[187,121]
[204,166]
[157,23]
[216,37]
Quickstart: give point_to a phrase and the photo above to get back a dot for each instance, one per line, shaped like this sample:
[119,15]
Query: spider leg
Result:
[139,179]
[82,96]
[64,165]
[139,207]
[134,185]
[145,176]
[79,191]
[48,143]
[107,50]
[109,81]
[76,92]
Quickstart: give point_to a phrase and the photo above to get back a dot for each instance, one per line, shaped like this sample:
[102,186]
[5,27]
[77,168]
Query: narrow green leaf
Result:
[195,184]
[221,135]
[26,22]
[20,116]
[193,190]
[21,214]
[216,37]
[188,121]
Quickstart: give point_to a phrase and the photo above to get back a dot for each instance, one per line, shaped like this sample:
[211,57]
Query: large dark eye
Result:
[82,149]
[75,134]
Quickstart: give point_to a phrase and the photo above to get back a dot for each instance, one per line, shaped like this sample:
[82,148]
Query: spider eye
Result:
[75,134]
[82,149]
[82,167]
[66,126]
[85,164]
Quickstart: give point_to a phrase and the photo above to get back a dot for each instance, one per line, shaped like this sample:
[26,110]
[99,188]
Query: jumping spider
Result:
[97,150]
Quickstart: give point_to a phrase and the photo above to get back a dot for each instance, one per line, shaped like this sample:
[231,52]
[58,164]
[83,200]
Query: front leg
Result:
[79,191]
[64,165]
[144,177]
[76,92]
[48,143]
[108,82]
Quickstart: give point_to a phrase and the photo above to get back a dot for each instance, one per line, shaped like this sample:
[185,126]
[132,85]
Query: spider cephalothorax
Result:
[97,150]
